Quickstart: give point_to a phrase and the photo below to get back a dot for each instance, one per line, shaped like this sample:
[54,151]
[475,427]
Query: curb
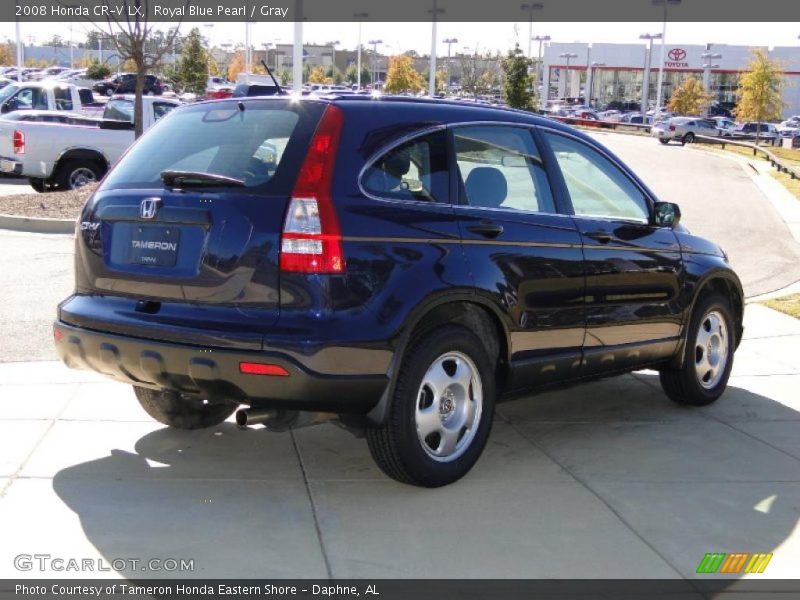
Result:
[36,224]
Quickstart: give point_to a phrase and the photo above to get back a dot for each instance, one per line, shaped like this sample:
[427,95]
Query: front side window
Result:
[119,110]
[161,109]
[501,168]
[596,186]
[415,170]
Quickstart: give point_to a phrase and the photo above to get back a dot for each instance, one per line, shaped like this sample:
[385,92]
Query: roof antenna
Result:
[281,91]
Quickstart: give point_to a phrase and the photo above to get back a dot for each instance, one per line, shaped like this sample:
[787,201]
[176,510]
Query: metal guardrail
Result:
[775,161]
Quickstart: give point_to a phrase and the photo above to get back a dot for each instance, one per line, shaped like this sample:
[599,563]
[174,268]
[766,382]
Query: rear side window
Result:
[63,98]
[119,110]
[415,170]
[501,168]
[161,109]
[249,145]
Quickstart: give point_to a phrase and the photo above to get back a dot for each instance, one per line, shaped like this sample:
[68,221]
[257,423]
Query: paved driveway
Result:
[603,480]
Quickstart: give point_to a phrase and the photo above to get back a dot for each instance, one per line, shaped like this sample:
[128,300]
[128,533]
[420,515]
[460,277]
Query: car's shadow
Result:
[685,480]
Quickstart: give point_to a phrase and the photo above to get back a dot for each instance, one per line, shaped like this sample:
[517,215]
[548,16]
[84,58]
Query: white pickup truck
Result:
[54,155]
[46,95]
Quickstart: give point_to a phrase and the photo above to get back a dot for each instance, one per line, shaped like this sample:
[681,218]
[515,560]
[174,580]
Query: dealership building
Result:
[615,72]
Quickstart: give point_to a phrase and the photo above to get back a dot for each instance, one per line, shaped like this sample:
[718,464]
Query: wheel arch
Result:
[462,308]
[87,153]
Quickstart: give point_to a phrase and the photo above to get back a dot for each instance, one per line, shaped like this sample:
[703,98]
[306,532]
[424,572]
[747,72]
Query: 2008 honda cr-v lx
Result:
[402,263]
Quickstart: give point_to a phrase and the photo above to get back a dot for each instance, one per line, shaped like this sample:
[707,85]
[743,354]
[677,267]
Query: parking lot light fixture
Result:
[449,42]
[647,66]
[359,16]
[530,7]
[568,56]
[374,44]
[665,4]
[539,65]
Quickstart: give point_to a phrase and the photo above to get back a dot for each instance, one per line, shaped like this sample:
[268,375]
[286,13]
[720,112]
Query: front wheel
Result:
[441,411]
[708,355]
[664,141]
[688,138]
[181,412]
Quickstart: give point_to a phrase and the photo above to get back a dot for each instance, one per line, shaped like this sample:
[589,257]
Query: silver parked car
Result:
[684,129]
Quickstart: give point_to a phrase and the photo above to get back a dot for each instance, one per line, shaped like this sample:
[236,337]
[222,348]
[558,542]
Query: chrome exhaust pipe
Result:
[245,417]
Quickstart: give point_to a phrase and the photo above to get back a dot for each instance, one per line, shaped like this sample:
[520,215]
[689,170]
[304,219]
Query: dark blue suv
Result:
[401,263]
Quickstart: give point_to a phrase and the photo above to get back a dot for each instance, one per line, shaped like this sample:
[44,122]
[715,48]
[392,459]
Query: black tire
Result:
[181,412]
[688,138]
[396,447]
[39,185]
[683,385]
[664,141]
[64,175]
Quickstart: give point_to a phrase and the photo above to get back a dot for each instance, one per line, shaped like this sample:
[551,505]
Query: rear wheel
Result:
[708,355]
[74,174]
[441,411]
[39,185]
[688,138]
[181,412]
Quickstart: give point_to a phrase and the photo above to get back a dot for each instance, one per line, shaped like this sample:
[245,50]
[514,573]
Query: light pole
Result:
[539,65]
[449,42]
[275,43]
[209,55]
[435,12]
[568,56]
[333,55]
[359,16]
[707,66]
[646,76]
[665,4]
[529,7]
[20,59]
[374,44]
[590,83]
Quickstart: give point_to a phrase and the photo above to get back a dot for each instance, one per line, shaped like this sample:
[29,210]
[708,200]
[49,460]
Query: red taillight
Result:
[672,127]
[251,368]
[57,334]
[19,142]
[311,241]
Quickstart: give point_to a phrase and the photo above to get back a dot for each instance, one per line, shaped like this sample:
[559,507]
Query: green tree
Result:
[97,70]
[689,98]
[192,69]
[760,93]
[351,74]
[402,77]
[517,88]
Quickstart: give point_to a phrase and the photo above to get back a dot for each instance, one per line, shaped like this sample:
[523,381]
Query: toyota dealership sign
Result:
[676,58]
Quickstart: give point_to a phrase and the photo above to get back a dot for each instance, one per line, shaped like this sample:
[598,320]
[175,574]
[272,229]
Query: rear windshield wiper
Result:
[198,178]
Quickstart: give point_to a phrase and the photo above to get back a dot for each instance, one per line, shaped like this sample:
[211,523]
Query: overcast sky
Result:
[399,37]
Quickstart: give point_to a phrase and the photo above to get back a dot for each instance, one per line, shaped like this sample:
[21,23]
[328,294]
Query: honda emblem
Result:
[149,208]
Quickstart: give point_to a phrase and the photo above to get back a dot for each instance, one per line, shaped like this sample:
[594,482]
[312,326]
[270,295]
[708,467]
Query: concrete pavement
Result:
[604,480]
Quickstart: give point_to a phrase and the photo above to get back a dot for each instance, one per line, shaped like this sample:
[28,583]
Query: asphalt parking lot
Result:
[606,480]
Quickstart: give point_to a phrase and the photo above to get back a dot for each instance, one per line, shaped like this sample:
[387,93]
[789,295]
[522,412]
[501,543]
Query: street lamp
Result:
[647,65]
[665,4]
[359,16]
[708,57]
[449,42]
[590,85]
[568,56]
[333,54]
[539,65]
[374,44]
[530,7]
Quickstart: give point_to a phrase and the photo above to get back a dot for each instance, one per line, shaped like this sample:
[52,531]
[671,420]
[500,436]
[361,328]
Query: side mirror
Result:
[5,108]
[666,214]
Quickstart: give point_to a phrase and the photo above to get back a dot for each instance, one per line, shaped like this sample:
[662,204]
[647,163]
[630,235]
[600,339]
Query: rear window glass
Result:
[217,139]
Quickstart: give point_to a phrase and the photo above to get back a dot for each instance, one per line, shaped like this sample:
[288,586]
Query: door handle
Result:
[487,229]
[600,235]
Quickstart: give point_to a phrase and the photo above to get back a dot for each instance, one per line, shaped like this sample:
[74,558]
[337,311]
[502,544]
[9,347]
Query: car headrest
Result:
[486,186]
[398,163]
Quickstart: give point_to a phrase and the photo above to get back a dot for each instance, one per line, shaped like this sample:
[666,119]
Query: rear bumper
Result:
[214,373]
[9,166]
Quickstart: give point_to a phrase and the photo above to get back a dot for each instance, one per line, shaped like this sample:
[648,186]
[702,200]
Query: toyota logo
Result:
[149,208]
[677,54]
